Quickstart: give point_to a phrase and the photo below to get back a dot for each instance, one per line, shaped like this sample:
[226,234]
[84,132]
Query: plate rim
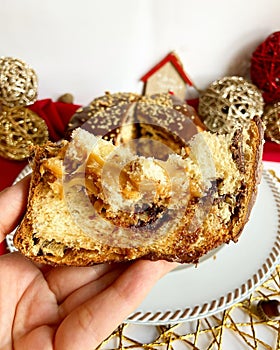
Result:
[212,307]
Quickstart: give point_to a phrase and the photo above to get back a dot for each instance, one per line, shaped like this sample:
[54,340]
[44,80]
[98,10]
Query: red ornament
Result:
[265,67]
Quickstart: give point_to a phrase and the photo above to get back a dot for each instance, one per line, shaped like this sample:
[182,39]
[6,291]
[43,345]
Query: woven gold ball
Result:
[18,83]
[20,129]
[229,103]
[271,120]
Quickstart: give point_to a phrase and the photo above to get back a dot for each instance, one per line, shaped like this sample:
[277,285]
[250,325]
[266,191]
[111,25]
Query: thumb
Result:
[13,201]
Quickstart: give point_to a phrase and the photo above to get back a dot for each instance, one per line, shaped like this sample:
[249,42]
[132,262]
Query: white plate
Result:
[224,277]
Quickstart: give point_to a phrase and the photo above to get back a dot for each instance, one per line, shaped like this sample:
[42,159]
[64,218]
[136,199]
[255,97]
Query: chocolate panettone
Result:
[95,111]
[140,179]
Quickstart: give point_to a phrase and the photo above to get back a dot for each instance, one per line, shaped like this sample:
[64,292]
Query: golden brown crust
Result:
[250,194]
[95,119]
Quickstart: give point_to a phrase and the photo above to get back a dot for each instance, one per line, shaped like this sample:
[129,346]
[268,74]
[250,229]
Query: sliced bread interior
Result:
[91,201]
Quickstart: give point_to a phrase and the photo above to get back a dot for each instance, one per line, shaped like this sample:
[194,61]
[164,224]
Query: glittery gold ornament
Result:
[18,83]
[271,120]
[229,103]
[20,128]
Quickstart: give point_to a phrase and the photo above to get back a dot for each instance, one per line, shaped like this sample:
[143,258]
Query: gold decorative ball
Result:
[18,83]
[20,128]
[271,120]
[229,103]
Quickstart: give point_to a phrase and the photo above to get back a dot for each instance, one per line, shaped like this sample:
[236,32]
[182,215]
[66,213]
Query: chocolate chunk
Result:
[237,150]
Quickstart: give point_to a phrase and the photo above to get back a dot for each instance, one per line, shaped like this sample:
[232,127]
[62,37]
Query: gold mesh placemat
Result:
[239,327]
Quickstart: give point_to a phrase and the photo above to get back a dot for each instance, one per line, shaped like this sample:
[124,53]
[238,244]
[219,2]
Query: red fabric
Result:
[271,152]
[194,103]
[56,116]
[9,171]
[3,249]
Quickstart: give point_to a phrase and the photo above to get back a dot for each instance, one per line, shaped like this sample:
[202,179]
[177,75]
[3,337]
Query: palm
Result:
[43,303]
[67,307]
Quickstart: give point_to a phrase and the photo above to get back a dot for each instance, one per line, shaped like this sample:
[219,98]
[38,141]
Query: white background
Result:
[87,47]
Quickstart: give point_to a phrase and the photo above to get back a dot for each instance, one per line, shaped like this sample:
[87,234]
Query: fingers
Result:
[99,316]
[65,280]
[83,294]
[13,201]
[38,338]
[25,299]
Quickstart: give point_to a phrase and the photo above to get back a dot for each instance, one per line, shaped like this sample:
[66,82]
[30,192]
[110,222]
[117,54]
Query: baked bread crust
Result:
[94,113]
[181,245]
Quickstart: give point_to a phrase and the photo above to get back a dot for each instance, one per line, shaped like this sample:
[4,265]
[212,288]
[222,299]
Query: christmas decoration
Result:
[18,83]
[265,67]
[228,103]
[167,76]
[271,119]
[20,128]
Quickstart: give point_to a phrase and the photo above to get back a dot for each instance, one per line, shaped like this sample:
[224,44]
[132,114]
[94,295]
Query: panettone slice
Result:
[91,201]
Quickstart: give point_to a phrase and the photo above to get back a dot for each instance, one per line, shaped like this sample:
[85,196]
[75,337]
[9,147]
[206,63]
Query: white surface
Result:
[89,46]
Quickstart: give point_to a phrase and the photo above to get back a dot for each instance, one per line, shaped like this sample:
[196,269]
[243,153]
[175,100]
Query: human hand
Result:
[71,308]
